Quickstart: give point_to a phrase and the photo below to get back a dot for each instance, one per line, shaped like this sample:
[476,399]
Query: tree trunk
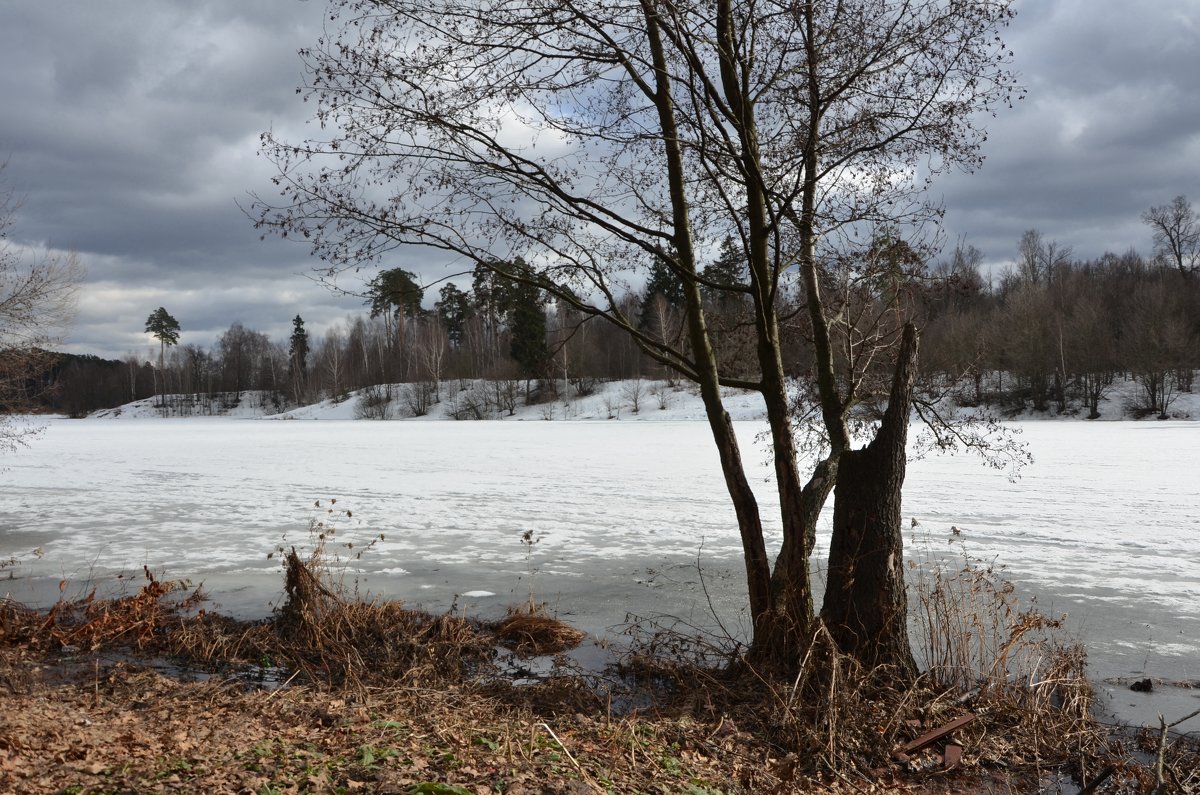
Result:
[866,607]
[745,505]
[781,631]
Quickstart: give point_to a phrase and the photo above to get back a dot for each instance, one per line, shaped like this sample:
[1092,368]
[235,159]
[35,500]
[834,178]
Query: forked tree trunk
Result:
[781,630]
[866,607]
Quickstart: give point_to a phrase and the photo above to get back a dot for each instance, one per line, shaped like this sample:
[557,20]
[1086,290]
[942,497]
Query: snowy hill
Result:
[642,400]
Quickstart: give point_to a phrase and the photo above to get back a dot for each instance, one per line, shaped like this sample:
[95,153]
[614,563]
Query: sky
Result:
[131,130]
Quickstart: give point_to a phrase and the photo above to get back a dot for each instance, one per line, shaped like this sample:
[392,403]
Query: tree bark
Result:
[866,606]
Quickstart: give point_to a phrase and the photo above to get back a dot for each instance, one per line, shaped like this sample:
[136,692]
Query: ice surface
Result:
[627,517]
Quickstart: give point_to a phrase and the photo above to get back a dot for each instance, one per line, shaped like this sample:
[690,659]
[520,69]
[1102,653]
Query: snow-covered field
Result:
[1103,525]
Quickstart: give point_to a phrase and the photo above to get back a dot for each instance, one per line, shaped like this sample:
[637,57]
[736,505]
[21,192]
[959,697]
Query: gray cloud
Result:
[131,129]
[1111,126]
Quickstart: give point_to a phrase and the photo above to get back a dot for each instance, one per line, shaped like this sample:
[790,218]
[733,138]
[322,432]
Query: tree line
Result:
[1056,334]
[1052,333]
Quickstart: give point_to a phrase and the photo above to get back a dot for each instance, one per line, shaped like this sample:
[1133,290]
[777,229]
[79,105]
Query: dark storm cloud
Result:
[1110,127]
[131,128]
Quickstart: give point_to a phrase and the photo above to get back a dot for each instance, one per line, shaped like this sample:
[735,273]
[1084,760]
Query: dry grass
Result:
[531,630]
[90,623]
[1009,668]
[325,638]
[1010,661]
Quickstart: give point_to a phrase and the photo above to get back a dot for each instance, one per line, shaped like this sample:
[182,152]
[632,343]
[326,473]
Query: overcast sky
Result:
[131,131]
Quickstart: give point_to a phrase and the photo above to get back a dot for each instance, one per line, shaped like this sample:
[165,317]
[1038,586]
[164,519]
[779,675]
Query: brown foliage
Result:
[387,698]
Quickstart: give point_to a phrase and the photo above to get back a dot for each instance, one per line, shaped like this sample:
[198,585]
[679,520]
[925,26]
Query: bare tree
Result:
[1176,233]
[244,357]
[1093,345]
[1157,344]
[430,345]
[38,292]
[1038,259]
[330,362]
[588,137]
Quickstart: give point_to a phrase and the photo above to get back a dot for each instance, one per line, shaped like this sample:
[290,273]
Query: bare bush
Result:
[584,386]
[472,403]
[612,405]
[663,392]
[420,397]
[506,391]
[38,291]
[375,403]
[634,391]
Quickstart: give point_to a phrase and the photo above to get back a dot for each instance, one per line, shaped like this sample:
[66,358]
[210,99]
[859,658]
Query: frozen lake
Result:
[1104,525]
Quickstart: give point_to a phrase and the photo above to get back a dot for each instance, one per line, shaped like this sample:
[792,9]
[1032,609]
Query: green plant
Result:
[491,745]
[369,756]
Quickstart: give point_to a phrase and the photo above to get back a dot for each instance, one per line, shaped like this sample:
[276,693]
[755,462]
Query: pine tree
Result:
[165,329]
[298,359]
[527,326]
[395,292]
[454,309]
[727,270]
[524,305]
[661,282]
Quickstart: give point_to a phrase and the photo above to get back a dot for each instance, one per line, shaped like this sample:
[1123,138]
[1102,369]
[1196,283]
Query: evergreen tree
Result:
[298,358]
[165,329]
[527,327]
[524,305]
[727,270]
[454,310]
[661,282]
[395,292]
[396,296]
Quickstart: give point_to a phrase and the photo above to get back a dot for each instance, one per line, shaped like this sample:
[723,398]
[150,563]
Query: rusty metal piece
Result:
[932,736]
[952,756]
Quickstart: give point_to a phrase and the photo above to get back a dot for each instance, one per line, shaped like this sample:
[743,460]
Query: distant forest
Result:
[1052,334]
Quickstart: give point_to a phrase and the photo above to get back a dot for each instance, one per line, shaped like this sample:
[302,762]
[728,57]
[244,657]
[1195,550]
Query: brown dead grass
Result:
[530,630]
[90,623]
[118,727]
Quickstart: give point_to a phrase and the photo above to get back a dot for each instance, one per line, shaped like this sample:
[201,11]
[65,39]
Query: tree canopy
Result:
[396,292]
[163,327]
